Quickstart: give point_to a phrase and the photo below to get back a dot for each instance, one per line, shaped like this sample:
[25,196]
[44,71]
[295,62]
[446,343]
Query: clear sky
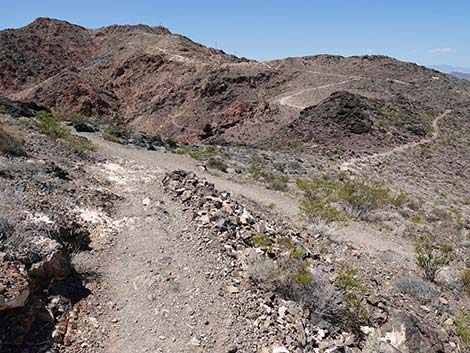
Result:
[424,31]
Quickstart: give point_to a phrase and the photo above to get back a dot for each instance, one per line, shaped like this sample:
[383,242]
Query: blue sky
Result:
[424,31]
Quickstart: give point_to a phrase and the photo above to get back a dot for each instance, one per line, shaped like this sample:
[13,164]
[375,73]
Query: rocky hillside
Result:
[159,82]
[353,122]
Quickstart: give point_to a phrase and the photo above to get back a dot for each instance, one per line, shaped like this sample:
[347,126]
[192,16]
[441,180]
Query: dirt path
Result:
[349,164]
[286,100]
[284,204]
[167,286]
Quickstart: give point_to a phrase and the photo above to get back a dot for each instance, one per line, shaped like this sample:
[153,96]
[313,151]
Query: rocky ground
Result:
[315,204]
[119,252]
[45,221]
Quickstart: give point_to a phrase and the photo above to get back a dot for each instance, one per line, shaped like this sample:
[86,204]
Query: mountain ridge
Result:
[159,82]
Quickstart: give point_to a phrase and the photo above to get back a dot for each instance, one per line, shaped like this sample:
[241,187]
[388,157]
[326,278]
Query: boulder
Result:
[14,284]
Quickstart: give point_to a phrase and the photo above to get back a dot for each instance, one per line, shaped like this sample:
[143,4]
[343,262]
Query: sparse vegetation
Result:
[10,145]
[431,255]
[182,149]
[354,291]
[260,240]
[109,137]
[114,133]
[279,183]
[333,199]
[273,182]
[256,170]
[462,326]
[422,291]
[51,126]
[465,278]
[203,153]
[214,163]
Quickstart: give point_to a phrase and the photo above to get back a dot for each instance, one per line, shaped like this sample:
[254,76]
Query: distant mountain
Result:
[461,75]
[163,83]
[449,69]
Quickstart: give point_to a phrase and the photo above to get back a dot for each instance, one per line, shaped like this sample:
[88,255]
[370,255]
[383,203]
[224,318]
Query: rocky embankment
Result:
[306,293]
[45,193]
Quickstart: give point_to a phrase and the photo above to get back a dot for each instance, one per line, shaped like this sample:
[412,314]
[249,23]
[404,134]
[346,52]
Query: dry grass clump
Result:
[10,145]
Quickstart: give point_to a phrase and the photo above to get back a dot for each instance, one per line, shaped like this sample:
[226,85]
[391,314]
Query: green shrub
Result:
[364,195]
[182,150]
[114,133]
[204,153]
[10,145]
[285,242]
[279,183]
[314,208]
[326,197]
[81,143]
[214,163]
[462,325]
[354,292]
[51,126]
[431,255]
[256,170]
[465,278]
[109,137]
[260,240]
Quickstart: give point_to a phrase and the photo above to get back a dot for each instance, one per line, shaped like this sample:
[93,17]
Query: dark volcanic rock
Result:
[351,121]
[17,108]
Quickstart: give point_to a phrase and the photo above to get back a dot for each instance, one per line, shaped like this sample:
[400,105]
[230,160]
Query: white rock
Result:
[367,330]
[278,348]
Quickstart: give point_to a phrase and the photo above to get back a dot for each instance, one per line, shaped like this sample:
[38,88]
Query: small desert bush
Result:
[462,326]
[364,195]
[182,149]
[465,278]
[10,145]
[203,153]
[51,125]
[354,292]
[279,183]
[333,199]
[109,137]
[114,133]
[214,163]
[292,278]
[417,289]
[256,170]
[260,240]
[81,143]
[431,255]
[273,182]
